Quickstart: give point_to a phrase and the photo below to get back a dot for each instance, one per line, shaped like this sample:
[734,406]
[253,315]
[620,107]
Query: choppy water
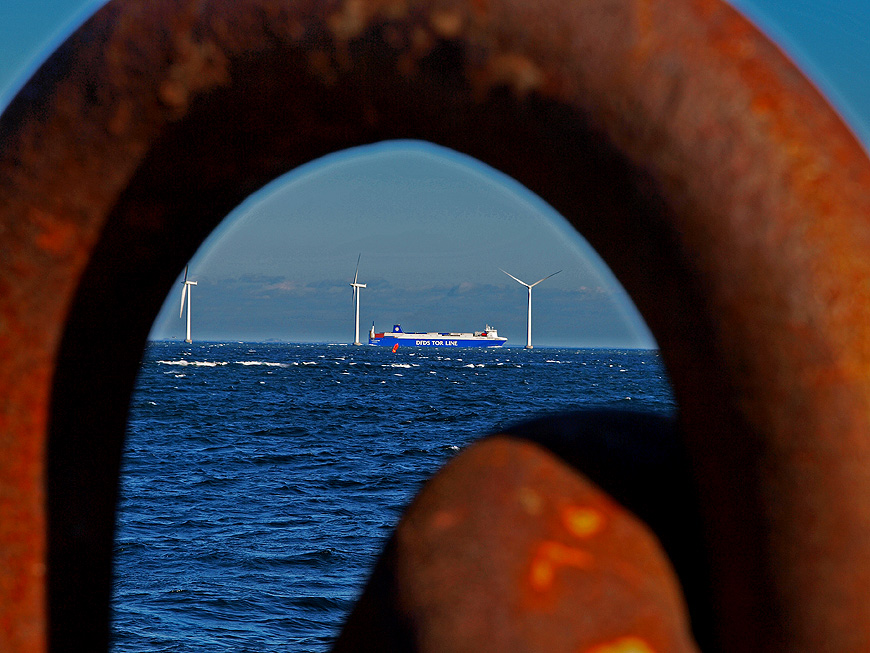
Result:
[260,481]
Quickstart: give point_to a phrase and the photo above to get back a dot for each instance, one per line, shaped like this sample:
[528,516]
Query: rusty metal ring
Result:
[723,191]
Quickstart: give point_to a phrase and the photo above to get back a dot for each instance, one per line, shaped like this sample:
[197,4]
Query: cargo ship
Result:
[397,338]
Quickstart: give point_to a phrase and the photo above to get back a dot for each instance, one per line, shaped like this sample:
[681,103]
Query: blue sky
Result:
[280,265]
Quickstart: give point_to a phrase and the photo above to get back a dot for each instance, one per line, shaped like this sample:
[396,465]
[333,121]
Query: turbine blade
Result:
[185,274]
[514,278]
[183,293]
[355,274]
[544,279]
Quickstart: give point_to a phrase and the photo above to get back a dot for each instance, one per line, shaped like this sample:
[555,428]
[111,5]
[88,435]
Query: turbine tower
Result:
[356,288]
[186,291]
[529,286]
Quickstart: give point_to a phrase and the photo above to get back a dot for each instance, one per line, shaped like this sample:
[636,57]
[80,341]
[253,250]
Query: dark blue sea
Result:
[260,481]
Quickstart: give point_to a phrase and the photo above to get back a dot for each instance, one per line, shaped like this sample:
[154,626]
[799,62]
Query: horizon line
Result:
[350,344]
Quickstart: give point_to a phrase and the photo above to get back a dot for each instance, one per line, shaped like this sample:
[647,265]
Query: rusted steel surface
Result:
[727,196]
[507,549]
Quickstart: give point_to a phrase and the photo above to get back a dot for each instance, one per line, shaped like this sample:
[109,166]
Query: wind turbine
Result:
[356,287]
[186,291]
[529,286]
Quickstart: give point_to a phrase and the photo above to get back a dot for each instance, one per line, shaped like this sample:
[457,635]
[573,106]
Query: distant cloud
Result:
[284,286]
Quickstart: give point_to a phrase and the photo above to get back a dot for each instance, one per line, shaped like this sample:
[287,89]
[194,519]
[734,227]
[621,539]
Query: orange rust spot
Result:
[421,41]
[54,237]
[198,66]
[58,239]
[623,645]
[447,24]
[765,104]
[349,22]
[645,29]
[123,118]
[444,519]
[173,93]
[542,573]
[552,555]
[582,522]
[530,500]
[515,71]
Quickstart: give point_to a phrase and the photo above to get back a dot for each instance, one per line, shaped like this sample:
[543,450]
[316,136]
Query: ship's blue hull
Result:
[487,338]
[441,341]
